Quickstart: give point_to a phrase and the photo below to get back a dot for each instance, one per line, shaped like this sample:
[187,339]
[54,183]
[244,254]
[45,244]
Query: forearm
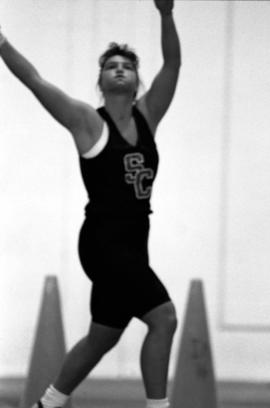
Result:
[67,111]
[18,65]
[170,42]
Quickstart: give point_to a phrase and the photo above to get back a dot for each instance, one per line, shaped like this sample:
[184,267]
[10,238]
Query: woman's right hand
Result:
[165,7]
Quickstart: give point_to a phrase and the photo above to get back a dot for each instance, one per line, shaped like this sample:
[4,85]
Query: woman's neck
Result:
[119,107]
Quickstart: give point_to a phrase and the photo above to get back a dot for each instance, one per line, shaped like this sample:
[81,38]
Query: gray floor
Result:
[129,394]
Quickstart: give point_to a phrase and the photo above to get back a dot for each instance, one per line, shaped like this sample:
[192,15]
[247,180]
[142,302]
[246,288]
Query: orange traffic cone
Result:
[49,345]
[194,381]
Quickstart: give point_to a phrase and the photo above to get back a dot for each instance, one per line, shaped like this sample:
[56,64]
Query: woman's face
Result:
[118,76]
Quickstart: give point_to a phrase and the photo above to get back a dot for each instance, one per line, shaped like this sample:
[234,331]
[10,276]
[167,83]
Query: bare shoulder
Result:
[142,107]
[89,116]
[88,127]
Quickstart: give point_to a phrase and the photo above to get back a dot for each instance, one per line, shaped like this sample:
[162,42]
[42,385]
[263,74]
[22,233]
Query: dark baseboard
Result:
[230,394]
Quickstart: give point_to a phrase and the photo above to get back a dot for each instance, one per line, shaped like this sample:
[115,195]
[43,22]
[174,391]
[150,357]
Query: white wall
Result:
[211,196]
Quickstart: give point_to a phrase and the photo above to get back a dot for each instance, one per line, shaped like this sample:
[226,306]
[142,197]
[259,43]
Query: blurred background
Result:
[211,200]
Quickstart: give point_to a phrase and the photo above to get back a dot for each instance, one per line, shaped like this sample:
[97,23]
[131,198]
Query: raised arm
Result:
[157,100]
[76,116]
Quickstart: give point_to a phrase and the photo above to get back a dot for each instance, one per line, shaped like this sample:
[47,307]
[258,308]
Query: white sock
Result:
[158,403]
[53,398]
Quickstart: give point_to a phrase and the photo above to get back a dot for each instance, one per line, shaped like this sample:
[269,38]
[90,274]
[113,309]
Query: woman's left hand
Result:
[164,6]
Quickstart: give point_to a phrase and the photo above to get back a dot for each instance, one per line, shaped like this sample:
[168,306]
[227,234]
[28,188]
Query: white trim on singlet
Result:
[99,145]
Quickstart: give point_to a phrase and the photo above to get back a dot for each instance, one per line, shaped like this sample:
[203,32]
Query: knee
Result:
[163,319]
[169,321]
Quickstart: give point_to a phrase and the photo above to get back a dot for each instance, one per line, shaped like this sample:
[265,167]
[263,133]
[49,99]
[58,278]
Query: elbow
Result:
[173,64]
[178,63]
[174,61]
[178,60]
[34,83]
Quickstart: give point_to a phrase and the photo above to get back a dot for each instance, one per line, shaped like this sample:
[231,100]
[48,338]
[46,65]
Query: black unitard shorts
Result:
[114,254]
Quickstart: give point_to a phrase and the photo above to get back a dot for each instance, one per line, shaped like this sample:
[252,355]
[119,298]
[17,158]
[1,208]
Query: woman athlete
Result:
[118,160]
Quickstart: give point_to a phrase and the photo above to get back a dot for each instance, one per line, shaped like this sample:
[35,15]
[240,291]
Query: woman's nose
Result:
[119,68]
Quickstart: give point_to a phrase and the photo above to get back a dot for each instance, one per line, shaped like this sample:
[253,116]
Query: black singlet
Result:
[113,242]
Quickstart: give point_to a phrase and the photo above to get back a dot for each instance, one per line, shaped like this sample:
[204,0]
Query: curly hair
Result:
[119,49]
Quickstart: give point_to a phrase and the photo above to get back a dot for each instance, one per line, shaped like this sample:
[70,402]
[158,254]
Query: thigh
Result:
[110,304]
[114,302]
[150,293]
